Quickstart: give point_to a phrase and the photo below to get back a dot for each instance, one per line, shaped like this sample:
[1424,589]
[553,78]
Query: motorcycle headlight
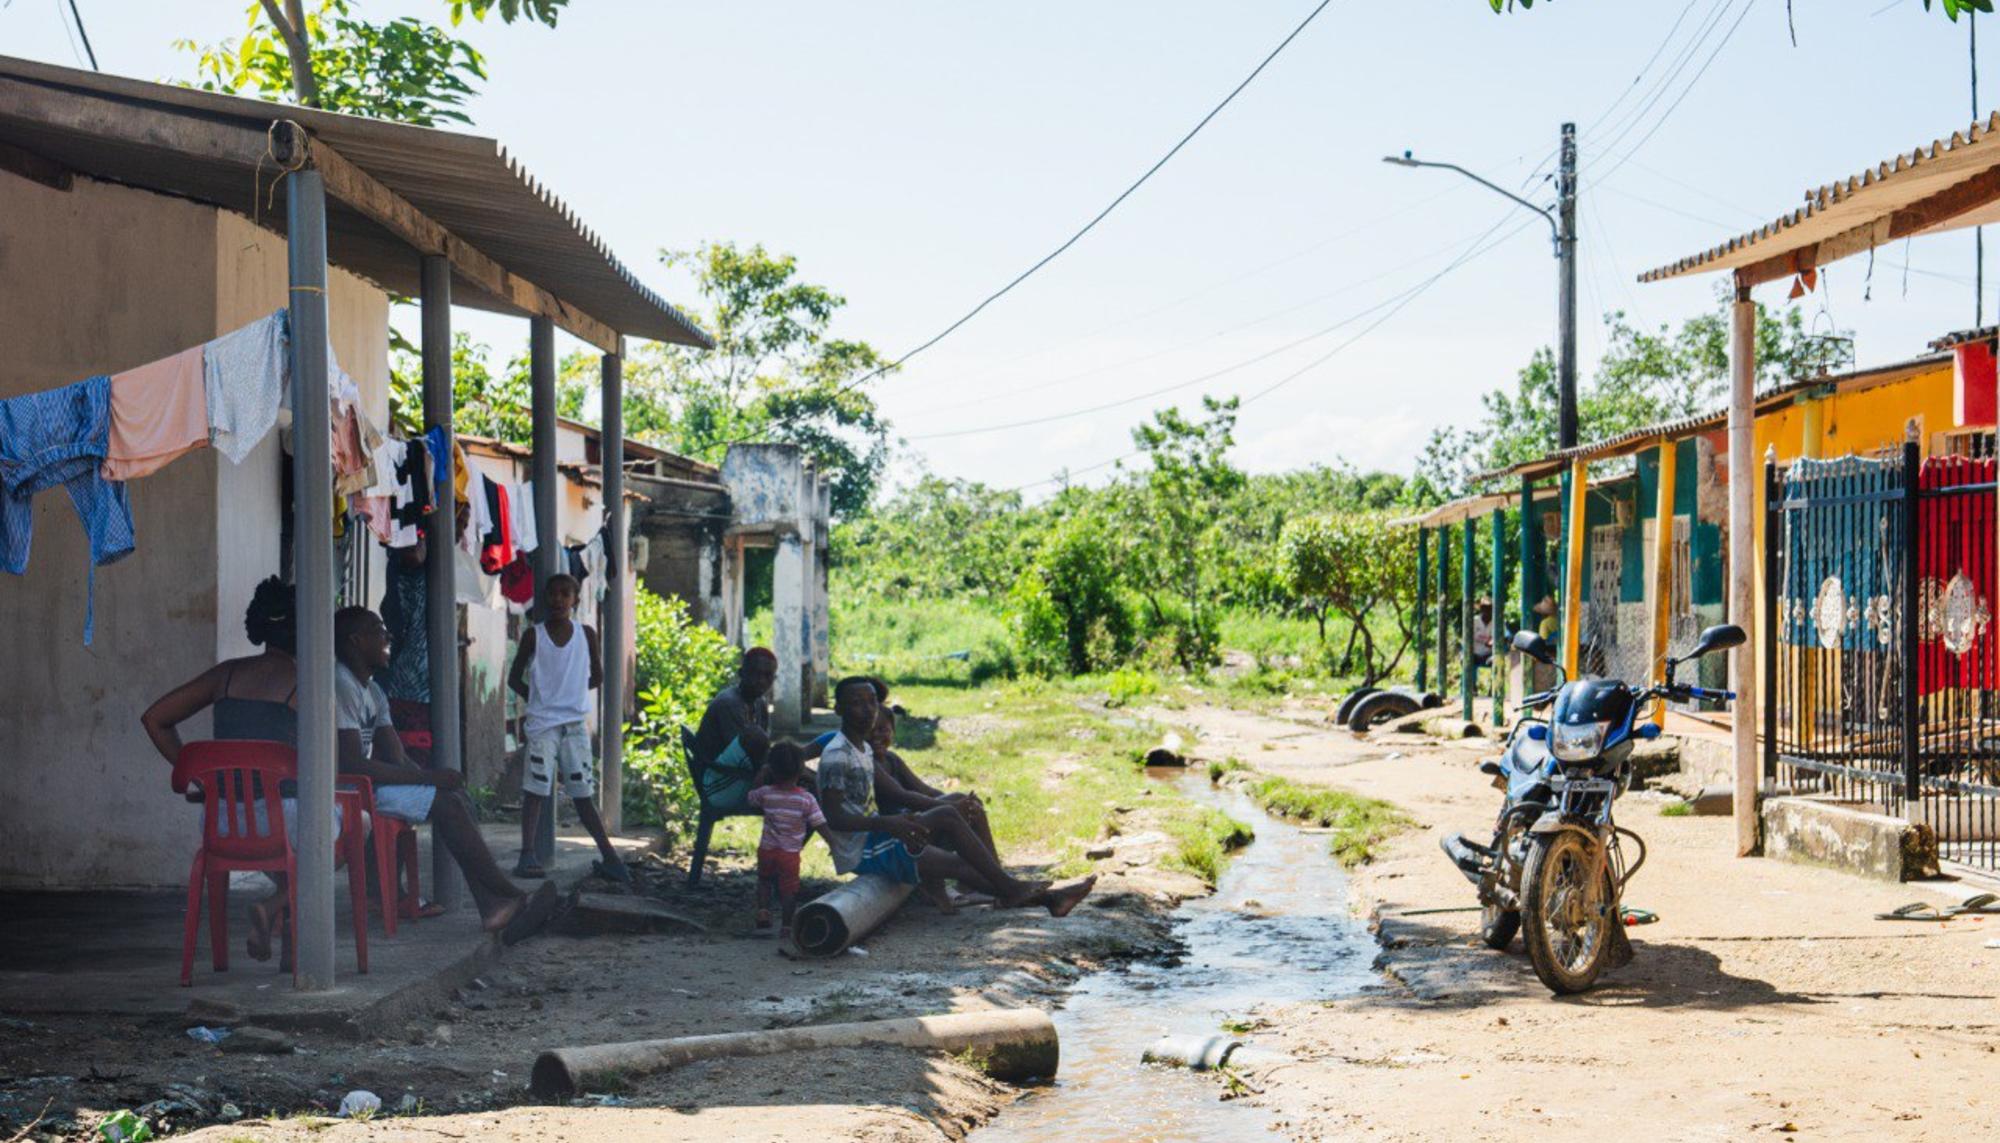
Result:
[1577,742]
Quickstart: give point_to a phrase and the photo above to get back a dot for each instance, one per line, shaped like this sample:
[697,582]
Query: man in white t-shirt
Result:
[896,846]
[369,747]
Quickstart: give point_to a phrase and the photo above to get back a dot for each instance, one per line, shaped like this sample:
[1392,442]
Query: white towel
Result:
[246,374]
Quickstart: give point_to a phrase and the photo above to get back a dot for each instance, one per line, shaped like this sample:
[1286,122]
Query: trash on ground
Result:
[359,1103]
[202,1033]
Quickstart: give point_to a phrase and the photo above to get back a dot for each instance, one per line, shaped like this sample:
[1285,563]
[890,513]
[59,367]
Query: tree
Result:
[776,373]
[403,69]
[1174,515]
[1348,564]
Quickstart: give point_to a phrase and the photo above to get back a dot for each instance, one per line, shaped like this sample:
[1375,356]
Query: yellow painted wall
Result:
[1866,421]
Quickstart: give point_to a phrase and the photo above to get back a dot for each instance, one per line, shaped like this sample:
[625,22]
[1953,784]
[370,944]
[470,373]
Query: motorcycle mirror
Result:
[1534,646]
[1490,767]
[1721,637]
[1538,732]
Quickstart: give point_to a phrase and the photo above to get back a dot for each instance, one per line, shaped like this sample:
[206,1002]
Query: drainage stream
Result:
[1276,930]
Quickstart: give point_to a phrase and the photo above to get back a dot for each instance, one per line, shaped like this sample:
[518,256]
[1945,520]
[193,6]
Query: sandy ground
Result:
[462,1067]
[1766,1000]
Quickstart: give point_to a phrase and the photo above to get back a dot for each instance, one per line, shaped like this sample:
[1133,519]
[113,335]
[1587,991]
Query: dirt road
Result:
[1765,1000]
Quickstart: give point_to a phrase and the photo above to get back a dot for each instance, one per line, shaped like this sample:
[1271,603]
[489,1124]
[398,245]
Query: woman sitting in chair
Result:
[254,698]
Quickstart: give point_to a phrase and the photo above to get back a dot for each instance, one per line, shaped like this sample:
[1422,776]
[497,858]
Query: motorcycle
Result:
[1555,869]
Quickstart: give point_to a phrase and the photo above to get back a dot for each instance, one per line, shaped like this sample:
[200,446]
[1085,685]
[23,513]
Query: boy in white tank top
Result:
[556,668]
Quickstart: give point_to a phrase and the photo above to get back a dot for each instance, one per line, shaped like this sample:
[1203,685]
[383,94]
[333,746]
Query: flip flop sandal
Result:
[422,911]
[529,871]
[1914,911]
[1977,903]
[972,900]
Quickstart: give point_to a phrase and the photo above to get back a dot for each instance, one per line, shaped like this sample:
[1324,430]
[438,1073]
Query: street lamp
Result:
[1562,228]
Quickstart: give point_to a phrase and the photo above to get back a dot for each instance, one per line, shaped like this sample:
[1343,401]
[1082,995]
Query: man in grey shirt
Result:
[742,706]
[369,747]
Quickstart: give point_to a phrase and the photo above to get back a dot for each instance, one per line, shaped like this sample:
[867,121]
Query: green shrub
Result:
[680,665]
[1127,684]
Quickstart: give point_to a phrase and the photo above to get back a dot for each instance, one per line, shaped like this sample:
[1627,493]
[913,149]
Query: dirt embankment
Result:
[461,1067]
[1766,999]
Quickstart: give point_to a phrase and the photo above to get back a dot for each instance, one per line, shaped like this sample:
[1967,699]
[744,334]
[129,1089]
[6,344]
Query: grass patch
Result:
[1359,824]
[1677,810]
[1218,770]
[1206,841]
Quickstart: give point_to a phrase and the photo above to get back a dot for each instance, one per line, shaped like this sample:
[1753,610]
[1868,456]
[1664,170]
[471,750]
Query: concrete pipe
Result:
[1199,1053]
[1013,1045]
[826,925]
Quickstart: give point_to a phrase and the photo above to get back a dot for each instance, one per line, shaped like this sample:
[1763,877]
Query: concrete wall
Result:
[776,498]
[96,280]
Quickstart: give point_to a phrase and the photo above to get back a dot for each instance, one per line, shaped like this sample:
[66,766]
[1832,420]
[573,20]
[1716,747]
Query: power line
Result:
[87,50]
[1398,303]
[1106,212]
[1691,84]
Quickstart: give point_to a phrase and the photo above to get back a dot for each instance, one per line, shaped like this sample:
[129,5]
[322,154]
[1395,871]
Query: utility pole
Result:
[1978,232]
[1566,427]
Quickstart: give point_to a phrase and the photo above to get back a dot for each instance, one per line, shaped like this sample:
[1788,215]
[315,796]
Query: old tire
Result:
[1497,926]
[1380,707]
[1353,699]
[1568,925]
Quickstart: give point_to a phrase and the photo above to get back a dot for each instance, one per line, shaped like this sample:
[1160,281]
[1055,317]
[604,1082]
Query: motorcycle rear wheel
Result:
[1497,926]
[1569,924]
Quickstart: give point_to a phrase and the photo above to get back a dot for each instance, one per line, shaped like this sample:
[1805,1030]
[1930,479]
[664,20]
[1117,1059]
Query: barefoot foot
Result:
[1068,895]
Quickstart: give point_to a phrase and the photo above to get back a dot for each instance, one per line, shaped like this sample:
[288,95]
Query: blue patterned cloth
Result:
[60,436]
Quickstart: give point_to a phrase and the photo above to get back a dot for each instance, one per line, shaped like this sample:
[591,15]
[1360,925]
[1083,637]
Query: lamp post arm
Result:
[1547,213]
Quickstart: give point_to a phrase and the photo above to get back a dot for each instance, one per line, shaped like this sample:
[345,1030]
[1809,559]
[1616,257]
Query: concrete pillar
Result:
[822,620]
[615,635]
[708,602]
[1743,483]
[733,628]
[790,595]
[440,580]
[312,563]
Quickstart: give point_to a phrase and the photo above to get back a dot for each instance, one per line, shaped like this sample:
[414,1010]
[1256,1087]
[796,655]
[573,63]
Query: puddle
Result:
[1276,929]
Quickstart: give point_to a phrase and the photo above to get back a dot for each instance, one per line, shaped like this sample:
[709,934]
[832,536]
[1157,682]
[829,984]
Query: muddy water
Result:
[1276,929]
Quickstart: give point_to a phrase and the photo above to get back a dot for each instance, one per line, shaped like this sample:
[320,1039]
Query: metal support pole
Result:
[441,550]
[1663,564]
[1743,560]
[1774,539]
[1572,609]
[1468,674]
[1531,580]
[1423,607]
[312,561]
[614,636]
[1566,421]
[548,548]
[1910,628]
[1499,595]
[1444,608]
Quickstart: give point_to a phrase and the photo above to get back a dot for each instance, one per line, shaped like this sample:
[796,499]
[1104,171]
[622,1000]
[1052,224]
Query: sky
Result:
[915,156]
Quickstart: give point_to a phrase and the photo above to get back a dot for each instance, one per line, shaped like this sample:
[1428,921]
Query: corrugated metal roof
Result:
[1966,337]
[1851,206]
[1777,396]
[466,183]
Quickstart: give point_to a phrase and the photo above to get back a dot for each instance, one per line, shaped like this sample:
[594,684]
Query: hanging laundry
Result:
[573,563]
[461,475]
[441,450]
[522,502]
[517,581]
[495,557]
[496,515]
[159,411]
[245,375]
[410,492]
[60,436]
[594,559]
[377,502]
[477,515]
[352,471]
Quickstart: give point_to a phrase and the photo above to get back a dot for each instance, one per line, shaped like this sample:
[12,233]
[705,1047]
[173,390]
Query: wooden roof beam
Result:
[368,196]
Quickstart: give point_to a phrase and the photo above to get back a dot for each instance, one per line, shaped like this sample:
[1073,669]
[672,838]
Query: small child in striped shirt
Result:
[790,814]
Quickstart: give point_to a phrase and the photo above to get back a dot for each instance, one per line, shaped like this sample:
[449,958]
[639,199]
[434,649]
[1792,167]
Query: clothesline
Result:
[93,436]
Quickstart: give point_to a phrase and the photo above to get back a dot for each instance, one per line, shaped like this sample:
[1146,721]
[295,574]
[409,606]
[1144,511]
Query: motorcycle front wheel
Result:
[1568,916]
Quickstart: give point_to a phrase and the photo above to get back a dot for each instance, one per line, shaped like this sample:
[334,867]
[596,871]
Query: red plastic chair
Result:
[243,829]
[395,844]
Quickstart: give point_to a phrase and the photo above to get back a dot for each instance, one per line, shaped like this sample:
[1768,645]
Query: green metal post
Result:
[1423,603]
[1499,592]
[1443,610]
[1530,581]
[1468,674]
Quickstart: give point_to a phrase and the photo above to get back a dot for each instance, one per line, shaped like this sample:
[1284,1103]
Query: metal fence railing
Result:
[1883,679]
